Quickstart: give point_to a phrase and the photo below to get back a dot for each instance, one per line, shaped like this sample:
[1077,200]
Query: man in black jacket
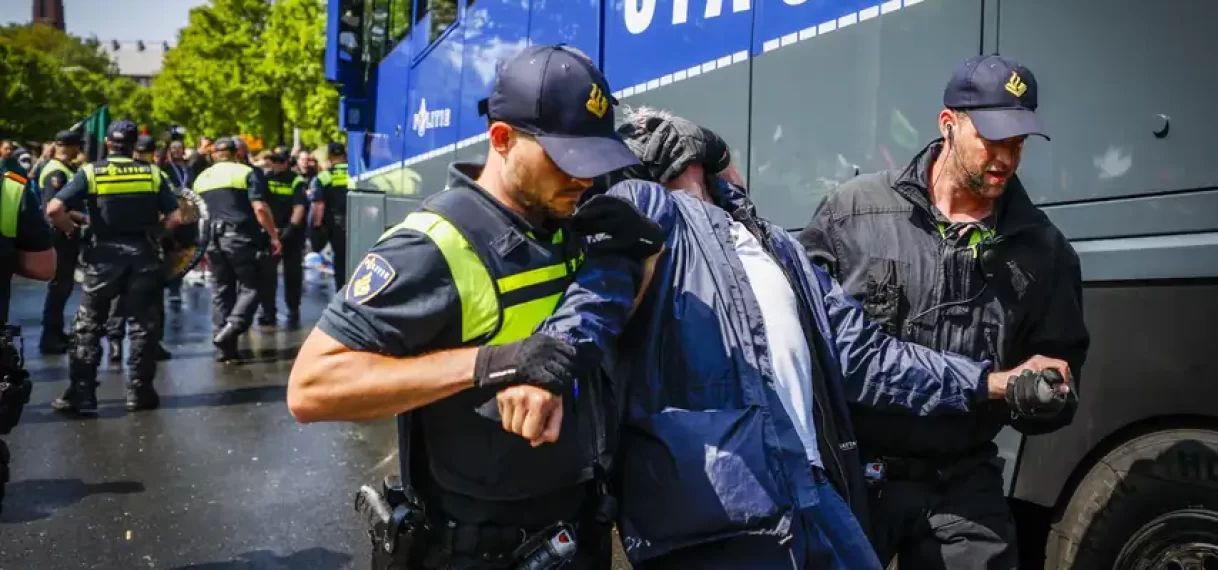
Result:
[952,254]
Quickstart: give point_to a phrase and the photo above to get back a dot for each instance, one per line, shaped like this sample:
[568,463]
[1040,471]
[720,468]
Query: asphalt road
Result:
[219,478]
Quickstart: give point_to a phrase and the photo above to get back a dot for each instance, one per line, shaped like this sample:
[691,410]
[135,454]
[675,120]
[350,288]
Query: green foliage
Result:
[250,67]
[50,81]
[295,42]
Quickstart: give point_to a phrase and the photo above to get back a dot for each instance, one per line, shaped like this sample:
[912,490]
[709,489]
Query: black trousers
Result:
[120,313]
[337,230]
[59,288]
[234,257]
[961,523]
[292,259]
[113,269]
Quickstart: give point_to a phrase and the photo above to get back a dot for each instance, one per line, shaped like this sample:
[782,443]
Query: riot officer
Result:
[116,325]
[26,249]
[286,196]
[129,203]
[438,319]
[52,177]
[243,236]
[328,194]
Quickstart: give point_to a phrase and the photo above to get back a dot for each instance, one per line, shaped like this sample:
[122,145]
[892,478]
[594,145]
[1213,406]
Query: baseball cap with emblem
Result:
[999,96]
[123,132]
[557,95]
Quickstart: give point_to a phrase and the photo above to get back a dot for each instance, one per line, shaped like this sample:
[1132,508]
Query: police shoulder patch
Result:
[370,278]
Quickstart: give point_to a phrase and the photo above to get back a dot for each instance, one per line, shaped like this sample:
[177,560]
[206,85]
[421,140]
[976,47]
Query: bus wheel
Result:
[1151,503]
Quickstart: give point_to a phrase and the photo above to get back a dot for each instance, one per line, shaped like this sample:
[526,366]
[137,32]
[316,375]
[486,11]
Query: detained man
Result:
[735,448]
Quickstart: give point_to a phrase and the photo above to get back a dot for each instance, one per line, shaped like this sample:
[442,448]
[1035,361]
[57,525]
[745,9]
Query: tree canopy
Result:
[49,81]
[250,67]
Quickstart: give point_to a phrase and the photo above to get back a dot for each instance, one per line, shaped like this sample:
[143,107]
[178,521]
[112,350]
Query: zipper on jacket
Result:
[764,240]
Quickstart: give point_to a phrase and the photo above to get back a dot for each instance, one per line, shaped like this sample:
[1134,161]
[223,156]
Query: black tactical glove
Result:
[666,147]
[625,229]
[1034,395]
[538,360]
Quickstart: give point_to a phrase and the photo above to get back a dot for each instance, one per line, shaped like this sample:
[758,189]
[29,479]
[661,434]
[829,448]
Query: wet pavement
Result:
[221,477]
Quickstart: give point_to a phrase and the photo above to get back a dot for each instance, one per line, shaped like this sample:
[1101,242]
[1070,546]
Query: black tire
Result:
[1151,503]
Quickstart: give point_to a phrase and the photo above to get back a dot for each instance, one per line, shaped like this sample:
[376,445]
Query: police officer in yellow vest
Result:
[26,249]
[243,236]
[438,319]
[128,203]
[52,177]
[116,329]
[286,196]
[328,195]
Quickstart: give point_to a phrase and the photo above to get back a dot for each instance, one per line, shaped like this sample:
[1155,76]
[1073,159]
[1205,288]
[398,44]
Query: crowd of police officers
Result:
[110,223]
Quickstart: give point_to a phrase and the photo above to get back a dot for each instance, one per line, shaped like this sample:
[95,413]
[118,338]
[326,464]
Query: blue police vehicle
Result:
[812,92]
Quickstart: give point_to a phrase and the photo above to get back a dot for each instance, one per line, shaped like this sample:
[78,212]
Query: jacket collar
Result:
[1014,211]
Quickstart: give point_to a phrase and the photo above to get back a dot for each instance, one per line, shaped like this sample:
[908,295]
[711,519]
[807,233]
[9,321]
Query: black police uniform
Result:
[51,178]
[404,299]
[330,188]
[238,248]
[116,325]
[22,228]
[285,190]
[465,270]
[125,199]
[1000,291]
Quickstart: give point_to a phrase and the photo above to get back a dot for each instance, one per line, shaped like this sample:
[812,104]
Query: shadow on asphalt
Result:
[36,499]
[110,408]
[316,558]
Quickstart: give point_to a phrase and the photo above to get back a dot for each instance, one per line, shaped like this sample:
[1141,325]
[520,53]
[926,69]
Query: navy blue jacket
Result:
[706,450]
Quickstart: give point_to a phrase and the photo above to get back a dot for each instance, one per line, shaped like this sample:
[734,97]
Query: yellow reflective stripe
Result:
[519,321]
[223,175]
[104,178]
[532,277]
[281,188]
[10,206]
[479,302]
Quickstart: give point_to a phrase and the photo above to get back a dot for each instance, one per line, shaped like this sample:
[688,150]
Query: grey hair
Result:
[638,117]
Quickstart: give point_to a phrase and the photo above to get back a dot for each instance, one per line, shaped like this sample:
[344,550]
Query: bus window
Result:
[399,20]
[443,14]
[376,25]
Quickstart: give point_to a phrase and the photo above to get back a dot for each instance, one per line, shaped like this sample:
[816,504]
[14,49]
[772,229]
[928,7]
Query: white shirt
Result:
[788,347]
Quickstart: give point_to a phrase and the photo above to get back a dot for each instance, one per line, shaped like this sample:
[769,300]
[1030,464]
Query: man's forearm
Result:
[57,213]
[333,383]
[263,213]
[319,212]
[298,215]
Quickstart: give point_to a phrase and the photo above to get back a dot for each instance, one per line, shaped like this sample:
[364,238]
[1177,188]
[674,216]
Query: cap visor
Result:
[587,157]
[1001,124]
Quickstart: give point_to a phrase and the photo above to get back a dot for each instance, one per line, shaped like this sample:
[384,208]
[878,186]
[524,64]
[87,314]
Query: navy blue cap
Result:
[336,148]
[999,95]
[145,143]
[557,95]
[224,144]
[122,132]
[69,138]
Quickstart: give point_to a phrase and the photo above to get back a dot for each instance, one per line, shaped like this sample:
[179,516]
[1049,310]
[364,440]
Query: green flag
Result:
[93,130]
